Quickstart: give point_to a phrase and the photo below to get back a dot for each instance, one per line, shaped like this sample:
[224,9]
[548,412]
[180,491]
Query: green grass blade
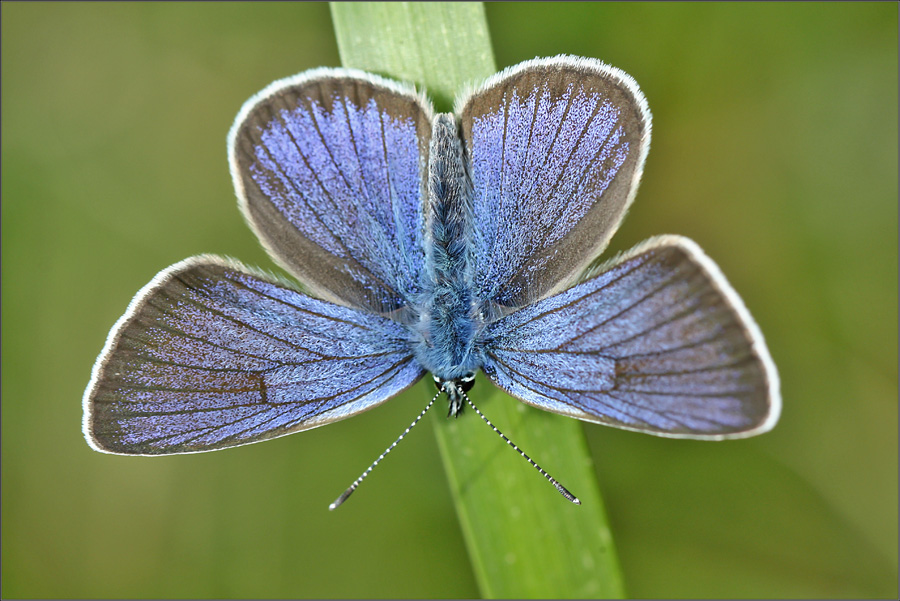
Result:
[441,45]
[524,539]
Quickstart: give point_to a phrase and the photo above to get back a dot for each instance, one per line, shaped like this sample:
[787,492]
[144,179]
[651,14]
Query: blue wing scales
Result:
[658,342]
[210,356]
[555,149]
[329,169]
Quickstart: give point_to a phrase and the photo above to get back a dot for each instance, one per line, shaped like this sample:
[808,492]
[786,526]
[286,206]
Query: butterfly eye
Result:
[467,381]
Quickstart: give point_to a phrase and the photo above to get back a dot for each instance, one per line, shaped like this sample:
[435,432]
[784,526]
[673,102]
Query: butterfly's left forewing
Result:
[658,342]
[211,355]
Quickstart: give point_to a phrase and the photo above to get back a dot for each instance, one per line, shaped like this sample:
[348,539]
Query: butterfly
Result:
[442,243]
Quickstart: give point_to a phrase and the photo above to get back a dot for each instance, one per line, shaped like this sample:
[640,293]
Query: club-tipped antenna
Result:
[562,489]
[346,494]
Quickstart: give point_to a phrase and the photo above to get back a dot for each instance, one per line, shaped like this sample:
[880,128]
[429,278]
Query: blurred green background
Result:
[774,147]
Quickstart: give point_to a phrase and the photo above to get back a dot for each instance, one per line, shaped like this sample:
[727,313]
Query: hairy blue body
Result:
[449,321]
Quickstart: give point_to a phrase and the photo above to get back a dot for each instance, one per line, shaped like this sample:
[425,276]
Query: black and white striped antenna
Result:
[339,501]
[455,392]
[562,489]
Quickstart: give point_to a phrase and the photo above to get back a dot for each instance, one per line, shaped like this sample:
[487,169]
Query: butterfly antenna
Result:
[359,480]
[562,489]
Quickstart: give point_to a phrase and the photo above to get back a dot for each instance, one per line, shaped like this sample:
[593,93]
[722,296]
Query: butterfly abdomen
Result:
[449,322]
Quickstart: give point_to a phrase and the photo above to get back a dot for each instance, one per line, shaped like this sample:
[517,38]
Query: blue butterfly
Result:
[442,243]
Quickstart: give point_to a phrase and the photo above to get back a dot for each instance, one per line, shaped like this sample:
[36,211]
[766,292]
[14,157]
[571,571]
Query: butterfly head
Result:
[456,389]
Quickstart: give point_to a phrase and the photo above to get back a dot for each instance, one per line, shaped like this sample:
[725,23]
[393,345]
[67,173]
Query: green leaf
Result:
[524,539]
[442,45]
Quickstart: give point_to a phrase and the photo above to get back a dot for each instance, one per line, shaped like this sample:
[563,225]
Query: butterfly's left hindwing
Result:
[659,342]
[556,148]
[210,355]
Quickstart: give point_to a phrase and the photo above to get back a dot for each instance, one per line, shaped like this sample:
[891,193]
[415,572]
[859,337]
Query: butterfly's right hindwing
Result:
[329,168]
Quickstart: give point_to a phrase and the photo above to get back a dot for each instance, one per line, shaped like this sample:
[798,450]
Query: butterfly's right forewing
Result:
[211,355]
